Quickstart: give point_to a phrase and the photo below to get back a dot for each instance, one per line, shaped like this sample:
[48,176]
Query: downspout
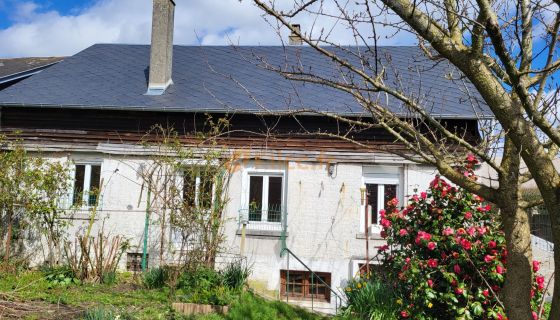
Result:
[146,226]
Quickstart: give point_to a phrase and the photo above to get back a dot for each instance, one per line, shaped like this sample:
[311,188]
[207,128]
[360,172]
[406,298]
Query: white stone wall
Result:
[324,213]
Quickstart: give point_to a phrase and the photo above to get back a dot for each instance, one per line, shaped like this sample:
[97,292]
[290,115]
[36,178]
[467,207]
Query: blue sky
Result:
[64,27]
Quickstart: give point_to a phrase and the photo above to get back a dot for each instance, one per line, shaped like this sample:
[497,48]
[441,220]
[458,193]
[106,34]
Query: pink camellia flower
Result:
[432,263]
[423,195]
[499,316]
[488,258]
[471,231]
[448,231]
[466,244]
[385,223]
[431,245]
[461,231]
[430,283]
[499,269]
[535,316]
[457,269]
[481,230]
[415,198]
[491,244]
[403,232]
[468,215]
[470,157]
[459,291]
[407,260]
[536,266]
[485,293]
[540,279]
[404,314]
[394,202]
[382,213]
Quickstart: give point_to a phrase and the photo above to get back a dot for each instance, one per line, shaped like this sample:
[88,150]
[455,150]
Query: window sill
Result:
[372,236]
[261,233]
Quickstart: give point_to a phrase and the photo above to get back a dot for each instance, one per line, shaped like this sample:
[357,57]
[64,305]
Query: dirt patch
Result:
[37,310]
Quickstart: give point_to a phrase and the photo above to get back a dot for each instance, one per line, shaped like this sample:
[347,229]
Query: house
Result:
[16,69]
[93,108]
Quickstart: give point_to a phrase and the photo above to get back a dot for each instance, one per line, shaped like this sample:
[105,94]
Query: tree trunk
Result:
[517,287]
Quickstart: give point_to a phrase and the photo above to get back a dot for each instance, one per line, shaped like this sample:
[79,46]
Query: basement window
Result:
[305,285]
[134,261]
[87,180]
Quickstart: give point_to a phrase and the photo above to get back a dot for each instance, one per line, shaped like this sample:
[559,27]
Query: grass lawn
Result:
[29,296]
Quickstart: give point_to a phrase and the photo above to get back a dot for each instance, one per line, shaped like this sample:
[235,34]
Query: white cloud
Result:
[36,32]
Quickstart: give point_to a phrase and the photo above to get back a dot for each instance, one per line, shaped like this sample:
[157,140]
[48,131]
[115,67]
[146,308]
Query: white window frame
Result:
[380,175]
[265,173]
[87,181]
[173,237]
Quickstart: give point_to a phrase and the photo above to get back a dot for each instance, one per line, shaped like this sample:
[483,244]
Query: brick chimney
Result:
[161,49]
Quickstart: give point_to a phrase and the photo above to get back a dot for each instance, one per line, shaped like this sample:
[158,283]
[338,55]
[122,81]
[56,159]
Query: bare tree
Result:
[507,50]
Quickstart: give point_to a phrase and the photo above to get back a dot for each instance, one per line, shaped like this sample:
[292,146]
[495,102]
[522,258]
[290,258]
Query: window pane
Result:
[79,184]
[390,193]
[372,202]
[95,181]
[255,198]
[274,199]
[189,188]
[205,190]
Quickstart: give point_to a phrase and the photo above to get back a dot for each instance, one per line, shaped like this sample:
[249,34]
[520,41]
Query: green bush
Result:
[109,278]
[206,286]
[370,298]
[235,274]
[155,278]
[60,276]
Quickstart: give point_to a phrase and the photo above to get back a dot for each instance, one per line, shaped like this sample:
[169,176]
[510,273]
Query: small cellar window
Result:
[302,285]
[134,261]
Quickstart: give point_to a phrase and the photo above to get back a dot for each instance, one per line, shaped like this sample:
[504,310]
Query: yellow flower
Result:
[359,285]
[399,301]
[430,305]
[348,289]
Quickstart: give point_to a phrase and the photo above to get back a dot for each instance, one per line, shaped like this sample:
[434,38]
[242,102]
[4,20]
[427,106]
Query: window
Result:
[87,179]
[305,285]
[378,196]
[382,184]
[134,261]
[265,198]
[197,189]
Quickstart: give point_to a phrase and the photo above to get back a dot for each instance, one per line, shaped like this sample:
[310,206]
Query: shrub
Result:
[105,313]
[206,286]
[200,278]
[60,276]
[235,274]
[155,278]
[448,254]
[370,298]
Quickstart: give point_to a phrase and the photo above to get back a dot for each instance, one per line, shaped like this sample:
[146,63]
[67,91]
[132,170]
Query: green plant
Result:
[60,276]
[155,278]
[106,313]
[109,277]
[370,298]
[235,274]
[201,278]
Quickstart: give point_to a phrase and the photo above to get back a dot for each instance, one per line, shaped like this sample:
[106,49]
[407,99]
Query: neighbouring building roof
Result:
[16,68]
[233,79]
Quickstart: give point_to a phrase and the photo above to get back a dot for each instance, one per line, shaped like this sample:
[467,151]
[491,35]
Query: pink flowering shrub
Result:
[447,254]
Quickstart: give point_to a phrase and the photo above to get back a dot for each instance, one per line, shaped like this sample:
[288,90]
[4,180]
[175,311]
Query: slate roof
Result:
[10,68]
[232,79]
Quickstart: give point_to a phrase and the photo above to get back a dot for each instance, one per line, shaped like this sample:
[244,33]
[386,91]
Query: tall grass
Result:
[371,299]
[235,274]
